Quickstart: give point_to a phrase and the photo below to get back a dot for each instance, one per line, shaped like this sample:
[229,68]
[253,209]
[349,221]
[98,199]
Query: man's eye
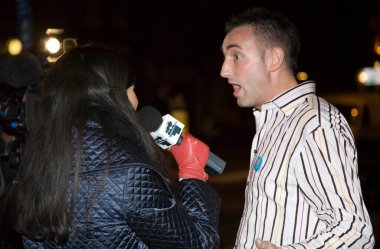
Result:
[237,56]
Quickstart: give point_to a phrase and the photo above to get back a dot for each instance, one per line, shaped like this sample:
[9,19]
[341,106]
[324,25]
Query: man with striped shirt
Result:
[303,189]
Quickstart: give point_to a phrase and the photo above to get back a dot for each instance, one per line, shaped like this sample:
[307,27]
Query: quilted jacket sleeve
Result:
[163,221]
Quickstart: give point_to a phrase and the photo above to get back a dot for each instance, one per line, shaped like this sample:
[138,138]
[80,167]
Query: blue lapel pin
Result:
[258,163]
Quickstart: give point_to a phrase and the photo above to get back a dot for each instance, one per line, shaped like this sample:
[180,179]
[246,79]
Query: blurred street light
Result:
[377,45]
[52,45]
[369,76]
[55,45]
[302,76]
[14,46]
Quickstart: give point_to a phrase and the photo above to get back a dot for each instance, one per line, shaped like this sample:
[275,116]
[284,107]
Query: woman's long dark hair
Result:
[85,80]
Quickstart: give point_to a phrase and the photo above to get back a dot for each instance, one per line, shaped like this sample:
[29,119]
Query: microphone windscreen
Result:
[150,117]
[20,70]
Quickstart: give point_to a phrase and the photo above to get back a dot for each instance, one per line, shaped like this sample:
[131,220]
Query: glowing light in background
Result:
[354,112]
[14,46]
[377,49]
[52,45]
[369,76]
[362,77]
[302,76]
[377,45]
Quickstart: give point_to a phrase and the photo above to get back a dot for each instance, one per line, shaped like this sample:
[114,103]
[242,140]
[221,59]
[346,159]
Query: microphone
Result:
[166,132]
[20,70]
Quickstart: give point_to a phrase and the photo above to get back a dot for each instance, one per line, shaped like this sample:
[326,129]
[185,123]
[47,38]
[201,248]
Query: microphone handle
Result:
[215,165]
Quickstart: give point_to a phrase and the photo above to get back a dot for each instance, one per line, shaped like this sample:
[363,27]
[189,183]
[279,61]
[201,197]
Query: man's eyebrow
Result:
[230,46]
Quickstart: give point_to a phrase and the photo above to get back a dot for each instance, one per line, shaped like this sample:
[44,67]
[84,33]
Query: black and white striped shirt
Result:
[303,189]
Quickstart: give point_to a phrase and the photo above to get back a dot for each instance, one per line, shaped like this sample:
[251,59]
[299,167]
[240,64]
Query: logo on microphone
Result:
[168,133]
[162,142]
[172,129]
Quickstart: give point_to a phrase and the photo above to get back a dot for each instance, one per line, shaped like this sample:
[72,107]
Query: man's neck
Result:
[282,82]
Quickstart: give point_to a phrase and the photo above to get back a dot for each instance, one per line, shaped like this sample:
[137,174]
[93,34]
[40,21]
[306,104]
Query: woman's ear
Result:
[275,58]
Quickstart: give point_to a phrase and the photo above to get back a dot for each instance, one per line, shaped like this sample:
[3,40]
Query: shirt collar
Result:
[290,99]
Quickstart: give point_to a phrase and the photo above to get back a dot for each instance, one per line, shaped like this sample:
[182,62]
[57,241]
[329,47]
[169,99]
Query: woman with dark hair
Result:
[91,175]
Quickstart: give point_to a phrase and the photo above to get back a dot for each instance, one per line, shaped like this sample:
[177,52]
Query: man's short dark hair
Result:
[271,29]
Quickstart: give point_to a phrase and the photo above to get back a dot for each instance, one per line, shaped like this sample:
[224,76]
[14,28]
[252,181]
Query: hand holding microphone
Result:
[191,156]
[167,133]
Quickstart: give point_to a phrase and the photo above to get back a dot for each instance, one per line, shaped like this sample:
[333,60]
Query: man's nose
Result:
[224,71]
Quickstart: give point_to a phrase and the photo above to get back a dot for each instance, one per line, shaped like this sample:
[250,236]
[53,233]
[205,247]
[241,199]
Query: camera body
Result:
[12,124]
[12,113]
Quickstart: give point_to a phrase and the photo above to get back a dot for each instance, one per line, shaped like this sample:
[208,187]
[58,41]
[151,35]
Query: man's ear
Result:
[275,58]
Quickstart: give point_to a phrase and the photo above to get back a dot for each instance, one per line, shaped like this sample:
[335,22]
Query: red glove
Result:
[191,156]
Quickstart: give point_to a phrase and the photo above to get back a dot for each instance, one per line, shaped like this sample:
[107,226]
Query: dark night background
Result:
[176,45]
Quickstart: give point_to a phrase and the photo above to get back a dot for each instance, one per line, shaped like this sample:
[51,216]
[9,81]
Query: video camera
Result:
[12,111]
[19,76]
